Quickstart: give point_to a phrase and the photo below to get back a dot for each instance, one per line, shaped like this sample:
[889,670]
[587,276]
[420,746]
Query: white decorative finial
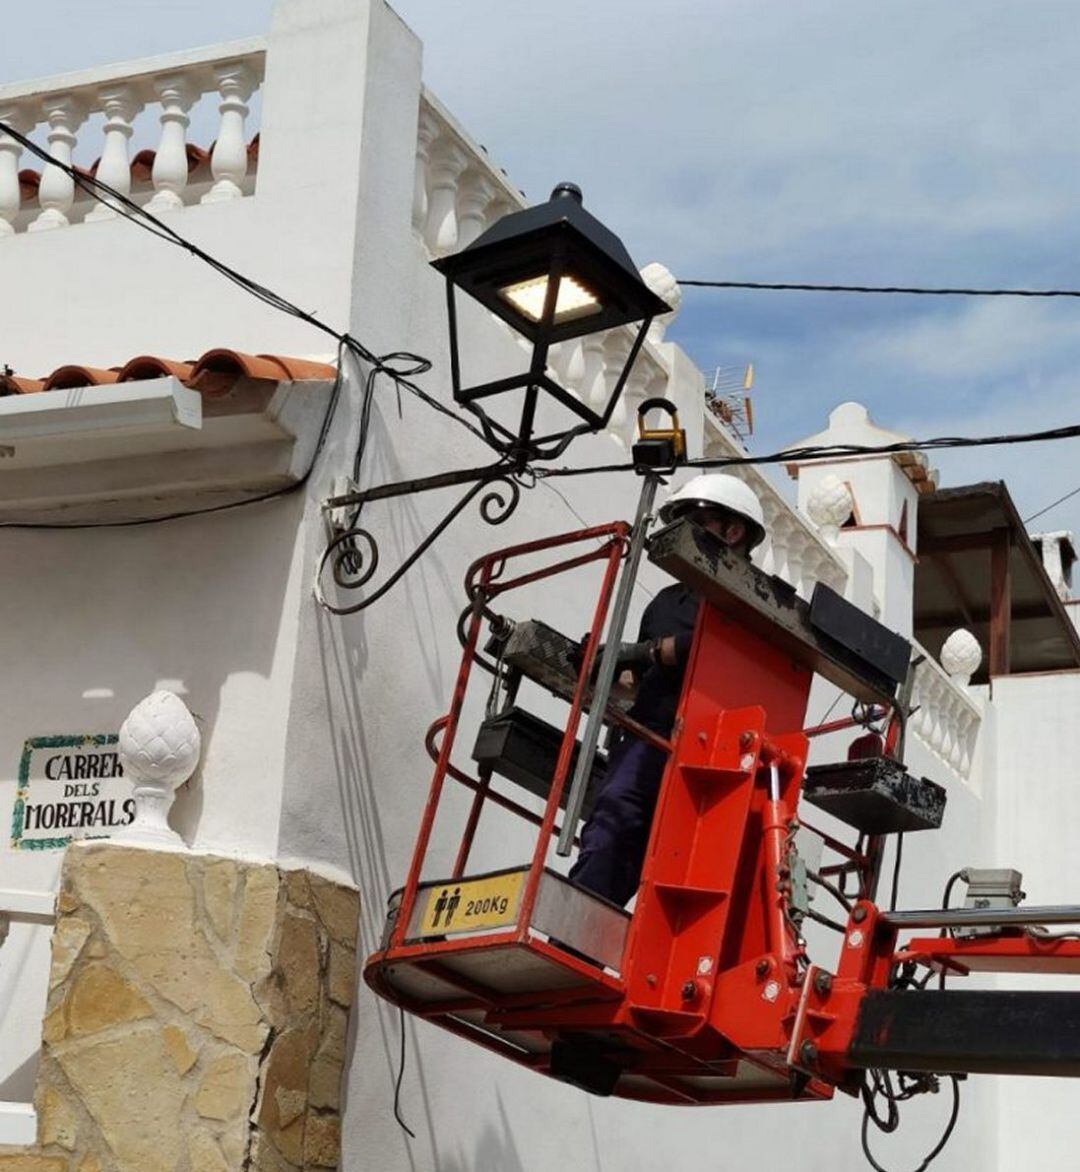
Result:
[961,656]
[829,506]
[159,749]
[660,280]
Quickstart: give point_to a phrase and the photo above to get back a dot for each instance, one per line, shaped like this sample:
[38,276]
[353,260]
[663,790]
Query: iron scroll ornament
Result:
[353,553]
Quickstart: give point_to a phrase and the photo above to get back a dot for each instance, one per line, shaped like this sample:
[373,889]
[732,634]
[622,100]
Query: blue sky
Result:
[820,140]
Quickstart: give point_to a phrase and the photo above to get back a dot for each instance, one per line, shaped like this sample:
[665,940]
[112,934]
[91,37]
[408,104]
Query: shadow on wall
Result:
[495,1149]
[18,1087]
[193,602]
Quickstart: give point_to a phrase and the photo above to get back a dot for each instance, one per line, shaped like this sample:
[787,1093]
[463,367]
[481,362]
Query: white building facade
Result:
[313,770]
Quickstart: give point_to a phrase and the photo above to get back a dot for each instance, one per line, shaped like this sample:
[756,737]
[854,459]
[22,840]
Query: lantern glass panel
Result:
[573,301]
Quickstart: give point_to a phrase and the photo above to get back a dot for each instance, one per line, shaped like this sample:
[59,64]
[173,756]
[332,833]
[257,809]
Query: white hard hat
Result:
[718,491]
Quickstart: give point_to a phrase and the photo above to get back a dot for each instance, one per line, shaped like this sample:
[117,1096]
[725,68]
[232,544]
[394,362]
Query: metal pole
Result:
[1012,917]
[606,675]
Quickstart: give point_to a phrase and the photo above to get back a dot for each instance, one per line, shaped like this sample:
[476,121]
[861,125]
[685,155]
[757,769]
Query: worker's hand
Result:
[635,658]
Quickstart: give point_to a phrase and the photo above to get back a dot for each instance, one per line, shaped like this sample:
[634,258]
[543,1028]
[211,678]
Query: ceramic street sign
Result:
[69,787]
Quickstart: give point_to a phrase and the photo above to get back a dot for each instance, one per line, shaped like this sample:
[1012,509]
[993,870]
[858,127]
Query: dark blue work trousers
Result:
[614,839]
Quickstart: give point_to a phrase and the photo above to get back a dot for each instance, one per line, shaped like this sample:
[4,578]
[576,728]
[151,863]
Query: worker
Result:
[614,839]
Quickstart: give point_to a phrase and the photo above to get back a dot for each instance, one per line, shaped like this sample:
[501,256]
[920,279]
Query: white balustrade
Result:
[457,192]
[946,718]
[60,114]
[793,549]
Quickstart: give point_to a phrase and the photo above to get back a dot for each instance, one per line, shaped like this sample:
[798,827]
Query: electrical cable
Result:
[832,889]
[149,222]
[1054,505]
[834,451]
[275,494]
[896,872]
[911,290]
[871,1116]
[399,365]
[400,1075]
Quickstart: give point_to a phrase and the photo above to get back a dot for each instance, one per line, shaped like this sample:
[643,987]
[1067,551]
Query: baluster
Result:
[229,162]
[765,554]
[56,193]
[120,108]
[616,352]
[796,551]
[170,170]
[475,193]
[937,737]
[971,729]
[568,363]
[593,384]
[948,726]
[427,133]
[500,206]
[812,561]
[10,151]
[780,536]
[447,164]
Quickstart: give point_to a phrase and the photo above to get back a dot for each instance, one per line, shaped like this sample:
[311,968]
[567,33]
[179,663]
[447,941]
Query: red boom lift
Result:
[704,992]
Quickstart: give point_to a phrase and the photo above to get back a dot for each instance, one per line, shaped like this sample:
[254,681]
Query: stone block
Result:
[227,1089]
[180,1051]
[29,1163]
[339,909]
[100,997]
[341,977]
[90,1164]
[322,1141]
[220,878]
[285,1081]
[53,1027]
[335,1033]
[205,1156]
[265,1158]
[132,1092]
[324,1083]
[258,912]
[298,962]
[56,1121]
[68,939]
[297,889]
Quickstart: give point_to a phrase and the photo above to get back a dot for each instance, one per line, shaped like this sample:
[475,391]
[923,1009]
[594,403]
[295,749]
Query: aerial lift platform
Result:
[704,993]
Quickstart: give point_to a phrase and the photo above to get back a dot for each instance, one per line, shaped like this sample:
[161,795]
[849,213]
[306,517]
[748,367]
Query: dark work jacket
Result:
[672,612]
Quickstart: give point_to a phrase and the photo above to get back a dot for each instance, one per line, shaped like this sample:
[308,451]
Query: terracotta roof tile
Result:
[214,373]
[66,377]
[11,385]
[150,366]
[141,165]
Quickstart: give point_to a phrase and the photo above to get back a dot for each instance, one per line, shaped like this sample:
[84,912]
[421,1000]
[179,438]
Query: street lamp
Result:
[551,273]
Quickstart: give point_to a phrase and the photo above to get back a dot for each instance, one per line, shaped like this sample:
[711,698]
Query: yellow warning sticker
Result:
[472,904]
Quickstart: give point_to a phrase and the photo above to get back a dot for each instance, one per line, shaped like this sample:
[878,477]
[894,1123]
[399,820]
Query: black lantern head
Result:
[552,273]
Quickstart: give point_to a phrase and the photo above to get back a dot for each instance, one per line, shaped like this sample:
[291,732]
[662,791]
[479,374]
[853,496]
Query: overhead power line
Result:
[400,365]
[1052,505]
[912,290]
[839,451]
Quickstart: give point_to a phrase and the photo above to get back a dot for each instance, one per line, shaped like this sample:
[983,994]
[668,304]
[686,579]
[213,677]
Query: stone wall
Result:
[197,1017]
